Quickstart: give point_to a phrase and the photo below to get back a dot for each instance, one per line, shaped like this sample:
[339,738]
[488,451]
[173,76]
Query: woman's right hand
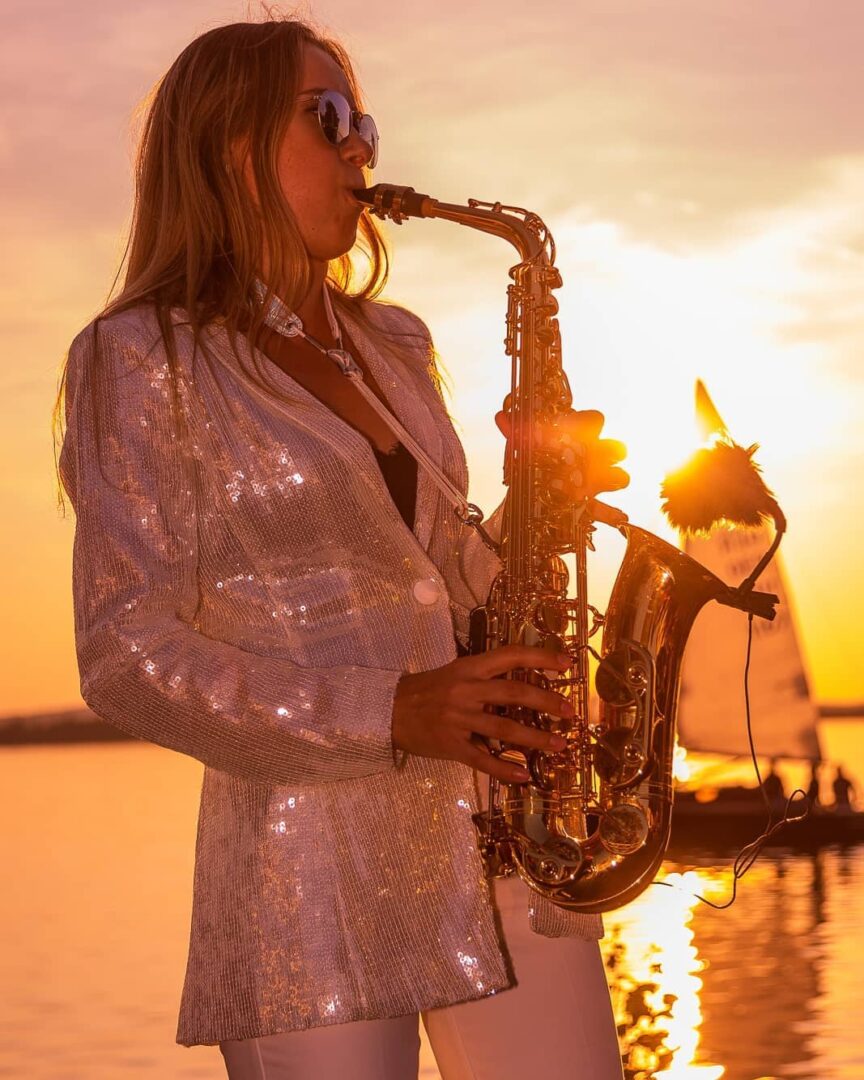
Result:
[440,713]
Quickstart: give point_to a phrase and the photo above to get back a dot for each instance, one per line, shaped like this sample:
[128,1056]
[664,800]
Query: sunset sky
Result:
[701,165]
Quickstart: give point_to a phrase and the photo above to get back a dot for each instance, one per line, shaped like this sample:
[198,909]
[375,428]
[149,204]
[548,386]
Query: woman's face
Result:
[316,177]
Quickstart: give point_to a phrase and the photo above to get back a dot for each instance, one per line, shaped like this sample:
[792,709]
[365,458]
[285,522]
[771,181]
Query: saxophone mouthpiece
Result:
[397,203]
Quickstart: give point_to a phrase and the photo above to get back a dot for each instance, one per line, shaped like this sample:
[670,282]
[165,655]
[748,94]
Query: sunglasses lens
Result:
[368,132]
[334,112]
[335,116]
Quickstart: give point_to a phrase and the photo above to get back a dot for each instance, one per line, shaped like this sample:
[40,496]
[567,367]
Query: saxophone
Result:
[591,827]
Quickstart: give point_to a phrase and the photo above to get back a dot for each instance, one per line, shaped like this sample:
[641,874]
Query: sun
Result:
[649,323]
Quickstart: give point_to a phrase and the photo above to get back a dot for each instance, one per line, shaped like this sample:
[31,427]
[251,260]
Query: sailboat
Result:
[712,714]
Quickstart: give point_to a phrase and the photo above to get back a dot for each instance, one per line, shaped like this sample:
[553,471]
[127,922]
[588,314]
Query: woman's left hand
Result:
[589,464]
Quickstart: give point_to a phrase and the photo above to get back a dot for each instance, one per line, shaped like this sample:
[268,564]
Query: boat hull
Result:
[727,825]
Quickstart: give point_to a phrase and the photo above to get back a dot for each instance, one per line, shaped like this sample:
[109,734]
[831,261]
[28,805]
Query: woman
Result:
[247,591]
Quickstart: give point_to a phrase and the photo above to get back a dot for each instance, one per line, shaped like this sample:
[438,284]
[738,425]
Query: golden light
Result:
[662,982]
[681,770]
[716,314]
[710,422]
[639,323]
[708,430]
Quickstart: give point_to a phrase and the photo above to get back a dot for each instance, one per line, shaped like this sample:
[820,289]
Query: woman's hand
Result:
[441,713]
[589,463]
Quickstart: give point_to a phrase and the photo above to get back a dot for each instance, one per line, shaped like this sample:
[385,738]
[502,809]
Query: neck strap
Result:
[285,322]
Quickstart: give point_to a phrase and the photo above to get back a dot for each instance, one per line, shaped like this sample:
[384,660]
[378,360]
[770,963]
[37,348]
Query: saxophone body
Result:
[590,828]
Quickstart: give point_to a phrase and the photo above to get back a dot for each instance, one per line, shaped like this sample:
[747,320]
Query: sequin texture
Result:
[246,593]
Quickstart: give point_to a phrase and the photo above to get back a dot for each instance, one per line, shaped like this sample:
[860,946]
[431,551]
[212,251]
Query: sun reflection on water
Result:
[654,971]
[681,770]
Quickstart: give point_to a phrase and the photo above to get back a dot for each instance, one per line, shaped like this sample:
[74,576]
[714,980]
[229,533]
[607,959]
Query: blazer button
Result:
[426,591]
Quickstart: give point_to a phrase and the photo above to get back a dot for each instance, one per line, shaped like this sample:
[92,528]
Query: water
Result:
[98,844]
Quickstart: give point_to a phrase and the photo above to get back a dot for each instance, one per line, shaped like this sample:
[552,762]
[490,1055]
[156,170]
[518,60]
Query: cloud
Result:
[672,118]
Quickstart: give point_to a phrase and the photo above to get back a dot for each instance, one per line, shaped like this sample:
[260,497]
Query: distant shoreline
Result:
[84,726]
[69,726]
[842,712]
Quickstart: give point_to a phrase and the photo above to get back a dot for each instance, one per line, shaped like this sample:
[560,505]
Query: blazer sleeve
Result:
[144,665]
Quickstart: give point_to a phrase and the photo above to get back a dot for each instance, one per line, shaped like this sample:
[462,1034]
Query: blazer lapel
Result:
[406,392]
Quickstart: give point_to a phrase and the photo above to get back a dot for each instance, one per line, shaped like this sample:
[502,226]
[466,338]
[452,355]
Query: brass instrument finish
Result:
[590,828]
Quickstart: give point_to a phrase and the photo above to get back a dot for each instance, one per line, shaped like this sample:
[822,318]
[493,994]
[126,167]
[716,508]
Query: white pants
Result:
[556,1023]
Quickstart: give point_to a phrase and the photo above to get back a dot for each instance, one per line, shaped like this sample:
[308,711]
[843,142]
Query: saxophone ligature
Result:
[589,830]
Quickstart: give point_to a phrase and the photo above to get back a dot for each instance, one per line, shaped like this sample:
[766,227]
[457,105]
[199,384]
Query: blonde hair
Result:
[197,236]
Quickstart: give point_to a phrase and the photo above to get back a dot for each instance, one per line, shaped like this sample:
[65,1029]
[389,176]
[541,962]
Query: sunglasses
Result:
[336,118]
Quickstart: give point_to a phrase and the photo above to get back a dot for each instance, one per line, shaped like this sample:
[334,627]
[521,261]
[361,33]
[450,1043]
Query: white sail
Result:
[712,714]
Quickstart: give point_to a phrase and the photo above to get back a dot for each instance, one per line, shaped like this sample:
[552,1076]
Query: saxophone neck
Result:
[524,230]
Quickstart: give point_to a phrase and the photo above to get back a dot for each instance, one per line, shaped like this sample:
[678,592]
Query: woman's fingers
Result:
[576,429]
[483,761]
[613,480]
[511,658]
[516,734]
[513,693]
[590,462]
[602,469]
[608,452]
[584,425]
[437,713]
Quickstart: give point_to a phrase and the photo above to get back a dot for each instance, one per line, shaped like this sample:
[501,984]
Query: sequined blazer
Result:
[246,592]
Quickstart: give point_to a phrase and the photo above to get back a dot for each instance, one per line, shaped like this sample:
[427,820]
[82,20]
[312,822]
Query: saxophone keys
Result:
[554,862]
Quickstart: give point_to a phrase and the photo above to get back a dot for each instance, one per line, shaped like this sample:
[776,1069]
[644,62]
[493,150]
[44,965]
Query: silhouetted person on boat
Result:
[774,791]
[813,786]
[844,792]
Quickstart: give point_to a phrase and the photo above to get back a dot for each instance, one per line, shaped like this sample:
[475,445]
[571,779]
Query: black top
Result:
[399,470]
